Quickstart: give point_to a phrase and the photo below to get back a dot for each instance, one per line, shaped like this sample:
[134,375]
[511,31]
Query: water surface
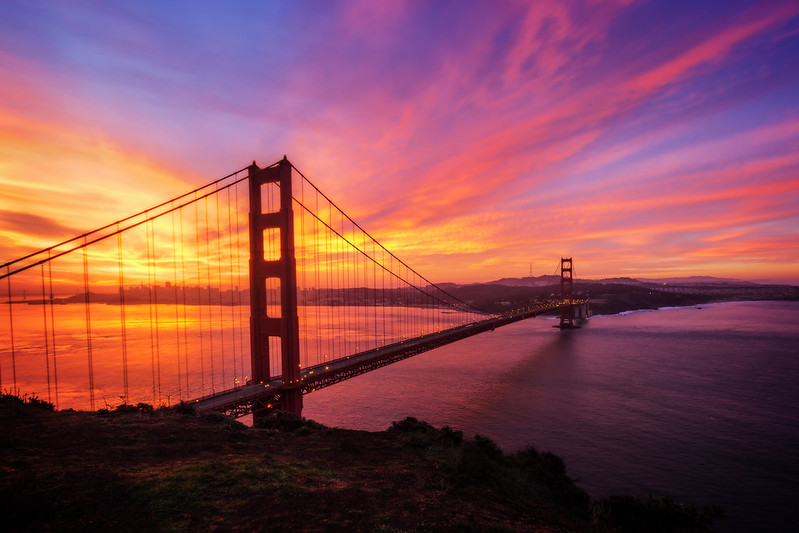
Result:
[700,404]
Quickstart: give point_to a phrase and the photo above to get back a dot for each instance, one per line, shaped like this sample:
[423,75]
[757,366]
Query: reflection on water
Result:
[161,354]
[168,352]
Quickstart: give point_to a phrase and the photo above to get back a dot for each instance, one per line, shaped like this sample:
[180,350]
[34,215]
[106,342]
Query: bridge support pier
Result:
[262,326]
[582,311]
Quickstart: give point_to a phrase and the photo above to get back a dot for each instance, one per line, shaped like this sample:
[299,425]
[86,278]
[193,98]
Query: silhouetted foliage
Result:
[145,408]
[451,436]
[285,421]
[487,446]
[128,409]
[185,408]
[27,403]
[221,419]
[629,514]
[411,425]
[549,470]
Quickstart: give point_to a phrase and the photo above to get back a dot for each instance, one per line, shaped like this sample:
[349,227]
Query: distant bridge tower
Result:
[566,293]
[286,326]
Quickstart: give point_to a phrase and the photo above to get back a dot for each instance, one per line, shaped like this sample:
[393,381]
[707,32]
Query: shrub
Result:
[145,408]
[549,470]
[24,403]
[126,408]
[34,401]
[222,420]
[411,425]
[285,421]
[630,514]
[479,459]
[451,436]
[487,447]
[184,408]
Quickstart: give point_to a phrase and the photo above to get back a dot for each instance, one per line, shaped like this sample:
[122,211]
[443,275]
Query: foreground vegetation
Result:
[135,468]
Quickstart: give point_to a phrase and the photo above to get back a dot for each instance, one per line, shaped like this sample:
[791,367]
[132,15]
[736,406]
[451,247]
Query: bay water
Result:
[700,404]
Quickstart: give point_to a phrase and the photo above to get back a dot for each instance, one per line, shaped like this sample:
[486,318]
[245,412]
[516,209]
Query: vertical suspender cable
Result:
[374,292]
[155,301]
[317,299]
[175,298]
[199,302]
[88,327]
[122,322]
[238,287]
[329,252]
[210,309]
[385,303]
[46,339]
[52,327]
[150,308]
[11,331]
[304,283]
[183,301]
[342,311]
[219,281]
[232,290]
[355,294]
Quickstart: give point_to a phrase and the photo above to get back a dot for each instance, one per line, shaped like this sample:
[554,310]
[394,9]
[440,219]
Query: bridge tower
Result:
[286,326]
[566,293]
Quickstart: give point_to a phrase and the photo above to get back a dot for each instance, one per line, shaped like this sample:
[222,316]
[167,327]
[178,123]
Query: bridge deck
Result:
[254,396]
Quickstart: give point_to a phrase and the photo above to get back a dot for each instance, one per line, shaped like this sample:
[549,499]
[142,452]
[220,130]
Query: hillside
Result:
[622,294]
[139,469]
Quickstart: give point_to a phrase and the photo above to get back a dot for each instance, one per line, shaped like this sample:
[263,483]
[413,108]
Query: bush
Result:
[487,447]
[222,420]
[450,436]
[480,459]
[284,421]
[411,425]
[549,470]
[126,408]
[34,401]
[184,408]
[145,408]
[546,466]
[630,514]
[25,403]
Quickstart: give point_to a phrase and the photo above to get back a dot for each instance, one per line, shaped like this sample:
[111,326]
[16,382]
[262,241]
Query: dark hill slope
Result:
[136,469]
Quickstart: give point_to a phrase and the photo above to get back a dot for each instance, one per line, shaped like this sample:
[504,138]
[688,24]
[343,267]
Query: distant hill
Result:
[614,295]
[536,281]
[545,281]
[696,280]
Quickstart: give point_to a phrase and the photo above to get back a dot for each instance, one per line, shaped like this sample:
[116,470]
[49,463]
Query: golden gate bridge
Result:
[239,296]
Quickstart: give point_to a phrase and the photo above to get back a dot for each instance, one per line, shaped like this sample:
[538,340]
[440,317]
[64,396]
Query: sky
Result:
[476,140]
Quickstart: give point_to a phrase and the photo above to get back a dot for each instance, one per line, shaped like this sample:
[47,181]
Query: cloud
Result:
[489,134]
[27,224]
